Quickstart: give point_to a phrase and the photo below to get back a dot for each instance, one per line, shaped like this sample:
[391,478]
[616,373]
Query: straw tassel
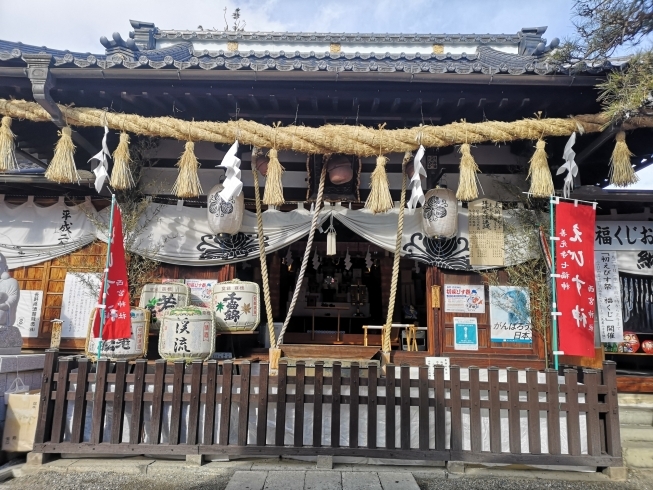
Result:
[379,200]
[7,148]
[539,173]
[273,194]
[467,190]
[621,171]
[188,182]
[62,168]
[121,176]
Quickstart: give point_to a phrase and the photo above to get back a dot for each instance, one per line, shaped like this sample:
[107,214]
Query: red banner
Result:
[575,286]
[117,319]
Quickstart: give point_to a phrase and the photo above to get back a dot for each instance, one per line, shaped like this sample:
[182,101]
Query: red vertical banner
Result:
[575,284]
[117,318]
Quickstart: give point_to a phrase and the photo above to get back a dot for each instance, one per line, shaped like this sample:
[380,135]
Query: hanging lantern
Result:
[261,164]
[331,238]
[440,213]
[340,170]
[187,333]
[236,305]
[225,217]
[133,347]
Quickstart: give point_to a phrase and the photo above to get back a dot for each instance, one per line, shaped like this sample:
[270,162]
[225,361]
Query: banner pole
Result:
[554,307]
[103,305]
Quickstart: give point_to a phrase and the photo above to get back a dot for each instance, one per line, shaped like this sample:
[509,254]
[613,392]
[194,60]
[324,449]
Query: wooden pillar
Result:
[227,273]
[274,278]
[432,313]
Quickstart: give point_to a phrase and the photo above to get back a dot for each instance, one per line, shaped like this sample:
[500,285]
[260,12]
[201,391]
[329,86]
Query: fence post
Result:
[59,415]
[612,432]
[44,422]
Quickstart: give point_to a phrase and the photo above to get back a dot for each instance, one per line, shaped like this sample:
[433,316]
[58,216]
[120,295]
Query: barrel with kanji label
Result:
[158,298]
[187,333]
[133,347]
[236,305]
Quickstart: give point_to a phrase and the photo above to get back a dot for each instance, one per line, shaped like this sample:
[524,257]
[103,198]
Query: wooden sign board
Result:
[55,339]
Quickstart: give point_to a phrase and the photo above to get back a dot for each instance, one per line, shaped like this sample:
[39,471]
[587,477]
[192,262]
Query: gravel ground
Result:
[188,480]
[115,481]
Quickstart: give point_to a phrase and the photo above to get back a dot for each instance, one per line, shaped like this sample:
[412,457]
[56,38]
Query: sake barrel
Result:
[158,298]
[236,305]
[440,213]
[133,347]
[187,333]
[224,217]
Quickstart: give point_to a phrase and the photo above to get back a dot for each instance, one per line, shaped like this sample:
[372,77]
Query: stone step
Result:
[637,433]
[322,480]
[635,416]
[635,400]
[637,454]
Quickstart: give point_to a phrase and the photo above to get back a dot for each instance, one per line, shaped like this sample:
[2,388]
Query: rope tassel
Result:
[188,182]
[379,200]
[62,168]
[7,148]
[621,171]
[539,173]
[121,176]
[273,194]
[467,189]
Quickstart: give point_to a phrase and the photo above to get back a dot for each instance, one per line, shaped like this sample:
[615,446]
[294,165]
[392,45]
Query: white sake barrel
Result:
[133,347]
[236,305]
[158,298]
[187,333]
[225,217]
[440,213]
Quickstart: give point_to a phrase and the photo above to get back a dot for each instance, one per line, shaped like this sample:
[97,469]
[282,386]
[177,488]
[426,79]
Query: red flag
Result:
[575,287]
[117,318]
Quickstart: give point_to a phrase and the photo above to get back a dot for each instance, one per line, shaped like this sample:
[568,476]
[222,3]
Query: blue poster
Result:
[465,333]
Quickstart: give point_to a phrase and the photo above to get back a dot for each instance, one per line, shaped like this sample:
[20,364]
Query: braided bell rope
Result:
[327,139]
[263,259]
[387,328]
[307,253]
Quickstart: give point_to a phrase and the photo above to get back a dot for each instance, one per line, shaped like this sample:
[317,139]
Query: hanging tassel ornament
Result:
[331,239]
[188,182]
[621,171]
[62,168]
[379,200]
[539,173]
[121,176]
[467,190]
[273,194]
[7,148]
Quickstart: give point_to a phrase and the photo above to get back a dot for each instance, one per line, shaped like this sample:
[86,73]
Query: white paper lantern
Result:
[225,217]
[160,297]
[133,347]
[236,305]
[187,333]
[440,213]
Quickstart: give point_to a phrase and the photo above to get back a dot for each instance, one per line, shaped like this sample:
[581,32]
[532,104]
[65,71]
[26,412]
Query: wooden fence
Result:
[212,408]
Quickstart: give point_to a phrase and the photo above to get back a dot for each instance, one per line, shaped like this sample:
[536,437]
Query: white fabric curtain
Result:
[176,234]
[30,234]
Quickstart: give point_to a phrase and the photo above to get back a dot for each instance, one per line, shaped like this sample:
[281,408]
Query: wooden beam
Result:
[395,105]
[503,103]
[232,101]
[253,101]
[354,104]
[154,101]
[461,103]
[314,104]
[481,102]
[294,103]
[214,102]
[31,158]
[335,104]
[274,102]
[597,143]
[174,102]
[417,104]
[375,104]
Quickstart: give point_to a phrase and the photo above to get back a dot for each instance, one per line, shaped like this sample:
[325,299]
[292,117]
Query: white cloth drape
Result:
[30,234]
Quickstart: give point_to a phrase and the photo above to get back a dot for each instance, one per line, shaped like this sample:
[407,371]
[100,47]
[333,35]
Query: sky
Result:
[77,25]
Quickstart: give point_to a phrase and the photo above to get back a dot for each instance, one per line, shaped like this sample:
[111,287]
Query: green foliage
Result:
[627,93]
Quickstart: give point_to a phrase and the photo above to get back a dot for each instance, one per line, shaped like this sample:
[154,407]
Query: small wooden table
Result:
[337,308]
[407,326]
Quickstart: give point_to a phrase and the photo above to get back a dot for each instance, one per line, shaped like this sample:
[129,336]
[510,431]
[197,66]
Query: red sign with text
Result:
[575,285]
[117,319]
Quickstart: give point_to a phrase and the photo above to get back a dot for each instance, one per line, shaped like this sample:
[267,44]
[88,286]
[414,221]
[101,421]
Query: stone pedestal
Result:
[11,341]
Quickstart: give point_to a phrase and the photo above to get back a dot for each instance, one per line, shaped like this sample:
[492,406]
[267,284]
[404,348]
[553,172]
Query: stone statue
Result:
[11,340]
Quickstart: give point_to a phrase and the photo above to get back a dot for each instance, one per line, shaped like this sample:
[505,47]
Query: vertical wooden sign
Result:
[55,339]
